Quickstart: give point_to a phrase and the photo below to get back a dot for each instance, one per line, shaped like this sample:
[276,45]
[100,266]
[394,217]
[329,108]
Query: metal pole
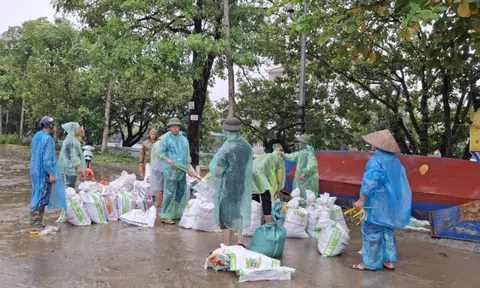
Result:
[300,124]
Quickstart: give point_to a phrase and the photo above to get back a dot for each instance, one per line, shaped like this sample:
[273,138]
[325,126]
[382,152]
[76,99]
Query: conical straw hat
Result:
[382,140]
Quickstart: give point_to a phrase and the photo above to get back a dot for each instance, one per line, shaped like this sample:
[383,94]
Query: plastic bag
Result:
[139,194]
[256,222]
[76,213]
[94,207]
[269,239]
[241,258]
[332,239]
[265,274]
[315,213]
[140,218]
[190,212]
[218,260]
[296,217]
[205,220]
[206,188]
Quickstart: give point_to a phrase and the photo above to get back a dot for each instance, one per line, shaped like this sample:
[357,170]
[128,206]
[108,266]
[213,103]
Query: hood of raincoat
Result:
[71,128]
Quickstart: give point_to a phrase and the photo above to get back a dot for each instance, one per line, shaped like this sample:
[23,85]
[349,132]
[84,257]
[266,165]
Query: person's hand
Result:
[79,170]
[169,161]
[358,205]
[140,165]
[302,176]
[52,179]
[281,153]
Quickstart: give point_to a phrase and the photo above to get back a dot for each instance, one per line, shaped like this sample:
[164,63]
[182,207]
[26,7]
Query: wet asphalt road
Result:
[119,255]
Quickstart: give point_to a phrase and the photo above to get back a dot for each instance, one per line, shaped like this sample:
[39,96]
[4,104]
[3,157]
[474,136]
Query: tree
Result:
[194,29]
[427,78]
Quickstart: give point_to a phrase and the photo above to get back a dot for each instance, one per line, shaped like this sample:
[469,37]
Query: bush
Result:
[13,140]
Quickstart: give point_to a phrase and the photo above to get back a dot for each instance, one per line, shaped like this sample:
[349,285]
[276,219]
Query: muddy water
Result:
[119,255]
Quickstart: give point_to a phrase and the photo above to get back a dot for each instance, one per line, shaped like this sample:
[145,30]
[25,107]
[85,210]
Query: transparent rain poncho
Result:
[156,166]
[71,154]
[43,162]
[175,148]
[389,198]
[268,173]
[306,163]
[232,165]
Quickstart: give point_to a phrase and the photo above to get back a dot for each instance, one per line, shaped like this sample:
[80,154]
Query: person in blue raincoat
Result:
[387,198]
[47,185]
[71,160]
[232,165]
[174,151]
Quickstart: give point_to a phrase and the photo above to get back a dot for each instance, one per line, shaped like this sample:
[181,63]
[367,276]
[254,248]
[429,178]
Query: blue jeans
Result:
[378,245]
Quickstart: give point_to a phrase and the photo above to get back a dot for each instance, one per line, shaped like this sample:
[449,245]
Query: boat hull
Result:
[447,183]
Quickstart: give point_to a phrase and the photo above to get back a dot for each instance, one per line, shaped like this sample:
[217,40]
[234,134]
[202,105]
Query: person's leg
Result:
[390,248]
[227,237]
[267,206]
[168,197]
[372,241]
[240,238]
[36,216]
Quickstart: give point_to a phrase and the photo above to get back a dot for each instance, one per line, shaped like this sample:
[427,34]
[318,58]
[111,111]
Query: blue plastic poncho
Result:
[43,162]
[175,148]
[306,163]
[388,193]
[71,154]
[232,165]
[268,173]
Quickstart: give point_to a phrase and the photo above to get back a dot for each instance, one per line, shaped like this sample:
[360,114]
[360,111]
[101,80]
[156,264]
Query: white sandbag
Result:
[190,212]
[124,182]
[109,202]
[140,218]
[255,220]
[125,202]
[206,188]
[76,213]
[332,239]
[205,220]
[315,213]
[310,197]
[241,258]
[335,212]
[265,274]
[94,207]
[139,194]
[296,218]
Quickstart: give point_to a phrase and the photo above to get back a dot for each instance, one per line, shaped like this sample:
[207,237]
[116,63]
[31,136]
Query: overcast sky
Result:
[14,12]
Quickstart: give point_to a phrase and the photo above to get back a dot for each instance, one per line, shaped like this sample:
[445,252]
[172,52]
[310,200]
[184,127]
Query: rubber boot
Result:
[36,218]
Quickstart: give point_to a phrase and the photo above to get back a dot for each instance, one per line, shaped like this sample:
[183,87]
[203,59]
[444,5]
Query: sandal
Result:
[167,221]
[361,267]
[392,268]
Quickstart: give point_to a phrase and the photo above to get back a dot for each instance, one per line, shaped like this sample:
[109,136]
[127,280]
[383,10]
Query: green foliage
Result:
[13,139]
[123,157]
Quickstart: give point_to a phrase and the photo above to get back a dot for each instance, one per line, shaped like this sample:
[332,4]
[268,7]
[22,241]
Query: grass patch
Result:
[123,157]
[13,139]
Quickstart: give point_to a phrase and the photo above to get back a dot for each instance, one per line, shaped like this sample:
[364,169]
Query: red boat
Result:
[447,183]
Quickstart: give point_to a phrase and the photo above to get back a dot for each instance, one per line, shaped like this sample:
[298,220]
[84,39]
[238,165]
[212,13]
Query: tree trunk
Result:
[231,79]
[1,120]
[200,86]
[447,135]
[22,118]
[106,124]
[6,122]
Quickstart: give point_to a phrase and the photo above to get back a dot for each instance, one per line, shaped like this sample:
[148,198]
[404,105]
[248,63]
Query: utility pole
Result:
[231,79]
[300,124]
